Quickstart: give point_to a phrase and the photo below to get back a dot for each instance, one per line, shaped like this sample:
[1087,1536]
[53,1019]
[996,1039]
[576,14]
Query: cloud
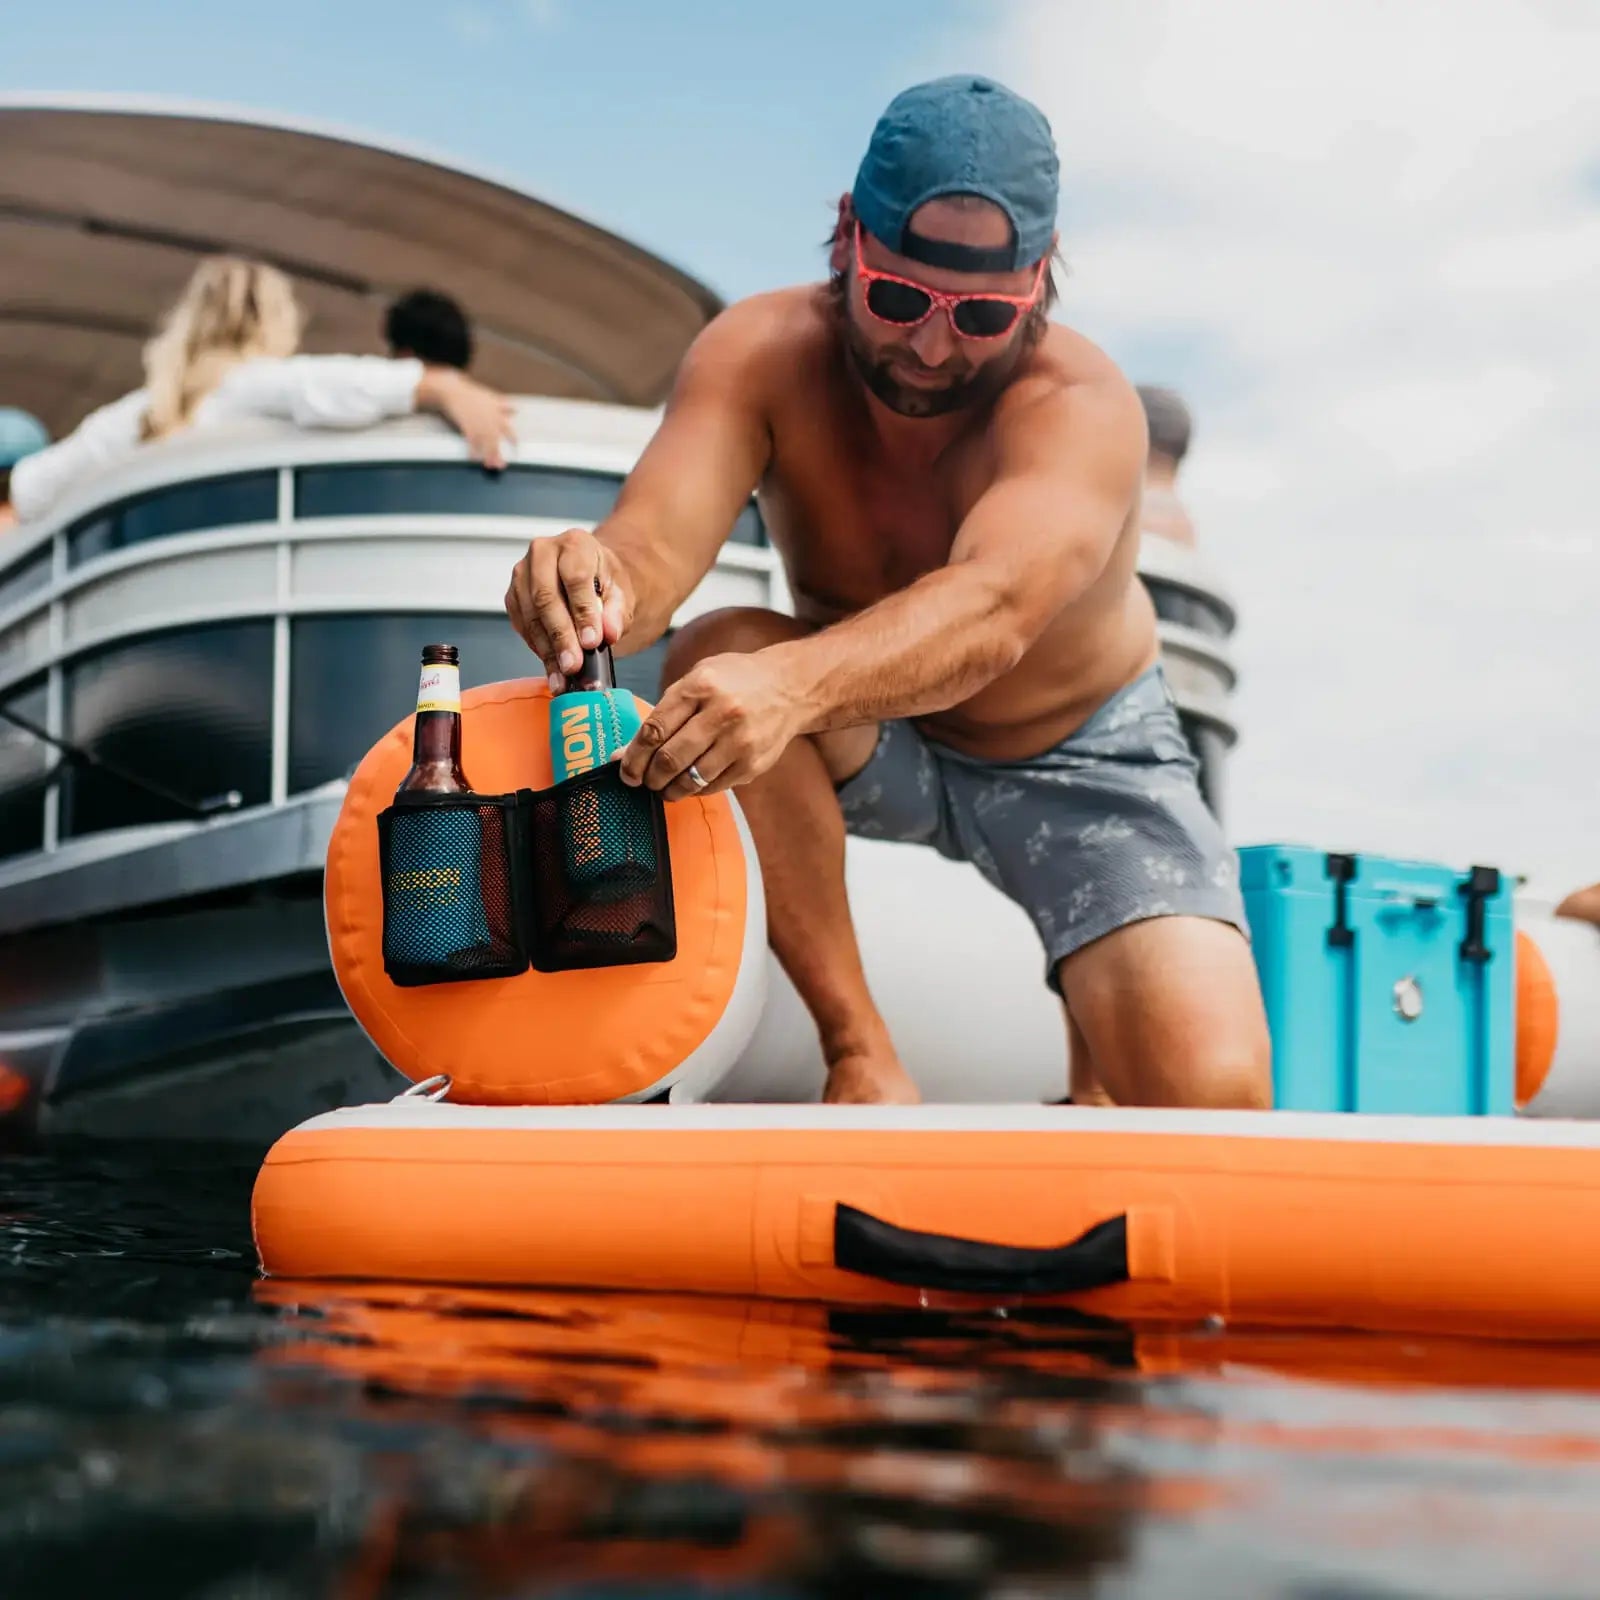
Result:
[473,22]
[483,21]
[1364,240]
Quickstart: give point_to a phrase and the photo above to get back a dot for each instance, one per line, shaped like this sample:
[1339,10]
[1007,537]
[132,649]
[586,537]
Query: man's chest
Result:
[853,523]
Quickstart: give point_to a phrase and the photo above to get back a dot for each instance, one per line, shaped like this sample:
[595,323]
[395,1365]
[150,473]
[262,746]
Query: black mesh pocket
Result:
[602,880]
[451,902]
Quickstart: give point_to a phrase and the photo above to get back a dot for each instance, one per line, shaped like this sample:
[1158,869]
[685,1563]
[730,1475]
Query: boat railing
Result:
[241,609]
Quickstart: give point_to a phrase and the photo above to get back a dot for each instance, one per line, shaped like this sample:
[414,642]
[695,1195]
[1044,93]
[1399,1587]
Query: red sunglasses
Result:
[904,304]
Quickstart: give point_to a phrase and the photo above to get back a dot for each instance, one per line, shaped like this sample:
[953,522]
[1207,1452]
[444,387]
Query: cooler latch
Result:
[1480,883]
[1341,869]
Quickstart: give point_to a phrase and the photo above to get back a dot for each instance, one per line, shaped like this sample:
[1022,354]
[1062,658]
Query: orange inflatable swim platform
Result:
[1463,1225]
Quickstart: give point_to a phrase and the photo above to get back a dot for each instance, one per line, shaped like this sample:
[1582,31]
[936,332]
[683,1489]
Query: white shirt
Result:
[311,391]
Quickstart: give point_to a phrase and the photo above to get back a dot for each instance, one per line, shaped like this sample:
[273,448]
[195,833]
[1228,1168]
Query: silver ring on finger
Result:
[695,778]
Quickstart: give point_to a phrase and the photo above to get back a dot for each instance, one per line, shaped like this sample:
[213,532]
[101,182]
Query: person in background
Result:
[226,351]
[1170,427]
[21,434]
[1582,905]
[430,326]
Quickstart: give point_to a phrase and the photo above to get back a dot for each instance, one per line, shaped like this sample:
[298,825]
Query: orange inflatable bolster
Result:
[539,1038]
[1461,1225]
[1538,1024]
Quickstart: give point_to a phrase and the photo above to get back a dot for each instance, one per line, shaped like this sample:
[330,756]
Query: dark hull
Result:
[213,1018]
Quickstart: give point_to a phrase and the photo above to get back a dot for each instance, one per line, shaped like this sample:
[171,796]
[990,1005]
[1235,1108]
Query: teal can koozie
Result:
[607,845]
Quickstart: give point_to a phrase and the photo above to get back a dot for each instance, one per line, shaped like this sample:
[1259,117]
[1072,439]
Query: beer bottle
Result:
[436,732]
[435,889]
[607,848]
[591,719]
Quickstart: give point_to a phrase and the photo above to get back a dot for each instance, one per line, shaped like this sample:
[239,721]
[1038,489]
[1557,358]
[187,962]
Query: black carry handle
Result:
[1341,868]
[1480,883]
[877,1249]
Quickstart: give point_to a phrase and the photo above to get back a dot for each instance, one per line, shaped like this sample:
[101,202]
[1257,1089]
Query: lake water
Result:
[172,1425]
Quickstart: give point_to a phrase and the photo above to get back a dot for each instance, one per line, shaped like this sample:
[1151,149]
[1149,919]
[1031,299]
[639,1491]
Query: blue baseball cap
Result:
[960,135]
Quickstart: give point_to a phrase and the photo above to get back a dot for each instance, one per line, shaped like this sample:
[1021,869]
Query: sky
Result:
[1362,237]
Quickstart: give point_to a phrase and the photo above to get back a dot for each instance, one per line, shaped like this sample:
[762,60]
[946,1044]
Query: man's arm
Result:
[673,514]
[347,391]
[321,391]
[696,474]
[1068,471]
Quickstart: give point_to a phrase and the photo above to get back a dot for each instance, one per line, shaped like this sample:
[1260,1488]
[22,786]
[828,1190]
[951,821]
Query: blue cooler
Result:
[1389,984]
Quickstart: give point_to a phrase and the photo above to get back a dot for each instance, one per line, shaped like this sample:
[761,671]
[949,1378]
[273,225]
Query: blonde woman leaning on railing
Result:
[227,350]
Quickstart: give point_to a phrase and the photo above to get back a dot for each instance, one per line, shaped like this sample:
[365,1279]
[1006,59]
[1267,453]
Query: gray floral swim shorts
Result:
[1107,828]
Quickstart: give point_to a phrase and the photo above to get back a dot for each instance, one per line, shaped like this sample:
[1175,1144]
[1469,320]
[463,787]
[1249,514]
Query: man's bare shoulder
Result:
[1071,388]
[764,337]
[1069,381]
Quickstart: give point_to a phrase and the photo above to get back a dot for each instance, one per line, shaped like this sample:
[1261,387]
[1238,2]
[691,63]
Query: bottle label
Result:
[439,688]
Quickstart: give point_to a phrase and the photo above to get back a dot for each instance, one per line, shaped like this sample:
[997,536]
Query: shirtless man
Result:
[953,483]
[1167,419]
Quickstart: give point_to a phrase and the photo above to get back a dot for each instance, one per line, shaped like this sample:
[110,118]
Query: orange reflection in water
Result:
[737,1442]
[731,1441]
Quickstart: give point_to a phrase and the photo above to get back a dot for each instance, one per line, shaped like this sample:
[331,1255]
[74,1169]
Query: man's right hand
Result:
[568,594]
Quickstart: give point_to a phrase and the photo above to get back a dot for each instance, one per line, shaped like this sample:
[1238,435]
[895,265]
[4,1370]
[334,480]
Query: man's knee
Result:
[729,630]
[1221,1076]
[1210,1075]
[1230,1076]
[1172,1015]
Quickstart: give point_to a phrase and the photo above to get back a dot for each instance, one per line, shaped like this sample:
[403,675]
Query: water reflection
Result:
[171,1425]
[721,1442]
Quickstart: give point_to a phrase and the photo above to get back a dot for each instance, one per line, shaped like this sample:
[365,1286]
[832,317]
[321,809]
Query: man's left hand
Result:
[730,717]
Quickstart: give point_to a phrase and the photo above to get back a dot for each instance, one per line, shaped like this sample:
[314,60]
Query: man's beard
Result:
[972,388]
